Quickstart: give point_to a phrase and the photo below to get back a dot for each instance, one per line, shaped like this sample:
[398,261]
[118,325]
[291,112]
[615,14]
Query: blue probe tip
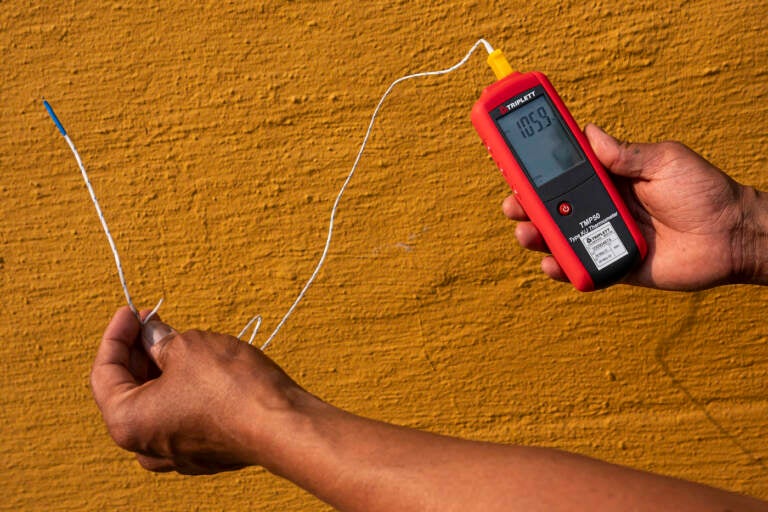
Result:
[54,118]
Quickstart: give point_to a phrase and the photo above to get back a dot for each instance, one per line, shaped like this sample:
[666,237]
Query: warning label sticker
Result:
[603,245]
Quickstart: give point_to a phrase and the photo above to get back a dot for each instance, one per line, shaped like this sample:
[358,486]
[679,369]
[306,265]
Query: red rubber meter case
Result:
[556,177]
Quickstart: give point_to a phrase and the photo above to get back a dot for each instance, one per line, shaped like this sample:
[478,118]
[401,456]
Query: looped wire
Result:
[257,319]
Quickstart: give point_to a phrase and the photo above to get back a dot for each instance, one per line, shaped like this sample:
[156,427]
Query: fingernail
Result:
[154,331]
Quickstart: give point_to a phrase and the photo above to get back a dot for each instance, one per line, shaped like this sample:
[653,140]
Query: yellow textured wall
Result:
[217,136]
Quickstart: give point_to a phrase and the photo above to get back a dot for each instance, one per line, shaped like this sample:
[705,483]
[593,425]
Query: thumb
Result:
[155,335]
[630,160]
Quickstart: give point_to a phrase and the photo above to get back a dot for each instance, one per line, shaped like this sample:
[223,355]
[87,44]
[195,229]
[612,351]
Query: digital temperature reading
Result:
[531,118]
[540,141]
[557,178]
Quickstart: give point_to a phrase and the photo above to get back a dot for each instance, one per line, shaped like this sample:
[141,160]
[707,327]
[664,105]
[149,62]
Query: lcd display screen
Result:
[540,141]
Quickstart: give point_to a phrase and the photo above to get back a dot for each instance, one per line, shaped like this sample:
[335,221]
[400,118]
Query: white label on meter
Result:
[603,245]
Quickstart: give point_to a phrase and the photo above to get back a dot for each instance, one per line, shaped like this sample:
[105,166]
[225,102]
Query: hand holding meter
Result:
[557,178]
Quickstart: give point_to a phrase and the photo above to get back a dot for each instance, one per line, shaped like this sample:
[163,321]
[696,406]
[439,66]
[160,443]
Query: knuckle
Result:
[192,333]
[624,156]
[123,436]
[671,151]
[673,146]
[123,428]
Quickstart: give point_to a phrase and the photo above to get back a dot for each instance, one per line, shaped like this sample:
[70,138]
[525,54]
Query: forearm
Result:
[357,464]
[752,240]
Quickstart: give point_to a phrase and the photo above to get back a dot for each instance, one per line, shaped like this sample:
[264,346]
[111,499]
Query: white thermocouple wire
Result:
[104,225]
[257,319]
[311,279]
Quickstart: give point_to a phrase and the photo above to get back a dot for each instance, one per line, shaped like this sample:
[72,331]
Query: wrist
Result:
[343,459]
[276,431]
[751,241]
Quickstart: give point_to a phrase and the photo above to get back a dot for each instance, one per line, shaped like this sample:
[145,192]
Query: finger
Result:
[139,365]
[553,269]
[202,469]
[632,160]
[512,209]
[530,237]
[111,374]
[155,335]
[142,365]
[156,464]
[163,465]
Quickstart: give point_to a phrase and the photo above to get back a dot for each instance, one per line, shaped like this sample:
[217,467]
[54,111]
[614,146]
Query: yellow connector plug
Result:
[499,64]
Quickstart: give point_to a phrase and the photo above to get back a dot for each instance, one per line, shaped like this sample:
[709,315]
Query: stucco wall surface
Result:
[217,135]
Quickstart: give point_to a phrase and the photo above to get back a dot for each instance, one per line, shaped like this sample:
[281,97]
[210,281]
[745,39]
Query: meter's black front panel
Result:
[592,209]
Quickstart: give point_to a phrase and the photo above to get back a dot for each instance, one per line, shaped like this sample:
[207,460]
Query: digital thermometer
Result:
[557,178]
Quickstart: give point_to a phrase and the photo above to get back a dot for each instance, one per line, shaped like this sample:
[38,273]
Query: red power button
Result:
[564,208]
